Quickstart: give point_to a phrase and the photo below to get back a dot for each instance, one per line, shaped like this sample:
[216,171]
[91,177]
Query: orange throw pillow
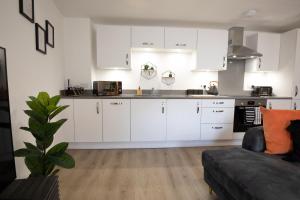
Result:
[278,140]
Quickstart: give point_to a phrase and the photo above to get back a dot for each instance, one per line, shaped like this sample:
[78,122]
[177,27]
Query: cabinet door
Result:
[279,104]
[147,37]
[183,119]
[269,45]
[296,82]
[148,120]
[88,120]
[116,120]
[66,132]
[216,131]
[217,115]
[113,47]
[212,49]
[296,105]
[180,38]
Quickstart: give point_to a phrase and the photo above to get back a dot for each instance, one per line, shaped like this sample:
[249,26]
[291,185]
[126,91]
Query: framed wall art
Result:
[40,39]
[26,8]
[49,34]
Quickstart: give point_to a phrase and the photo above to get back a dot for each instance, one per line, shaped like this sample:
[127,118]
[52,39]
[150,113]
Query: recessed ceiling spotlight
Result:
[250,13]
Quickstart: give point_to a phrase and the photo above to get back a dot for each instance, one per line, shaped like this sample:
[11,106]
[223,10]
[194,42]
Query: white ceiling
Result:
[272,15]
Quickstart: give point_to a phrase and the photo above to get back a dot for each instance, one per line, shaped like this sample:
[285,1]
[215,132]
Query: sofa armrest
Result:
[254,140]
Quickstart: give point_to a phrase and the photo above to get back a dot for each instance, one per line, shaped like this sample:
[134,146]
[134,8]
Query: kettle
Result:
[213,89]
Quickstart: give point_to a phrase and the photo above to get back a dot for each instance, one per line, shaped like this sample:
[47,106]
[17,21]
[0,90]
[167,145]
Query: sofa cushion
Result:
[278,140]
[254,139]
[248,175]
[294,129]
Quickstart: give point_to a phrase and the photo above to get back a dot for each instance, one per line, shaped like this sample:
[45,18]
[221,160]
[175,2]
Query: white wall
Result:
[181,63]
[78,51]
[28,70]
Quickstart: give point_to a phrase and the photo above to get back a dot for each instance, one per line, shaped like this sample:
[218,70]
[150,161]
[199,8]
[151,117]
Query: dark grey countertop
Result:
[170,96]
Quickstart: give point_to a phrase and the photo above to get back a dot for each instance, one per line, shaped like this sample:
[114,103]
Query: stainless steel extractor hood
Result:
[236,49]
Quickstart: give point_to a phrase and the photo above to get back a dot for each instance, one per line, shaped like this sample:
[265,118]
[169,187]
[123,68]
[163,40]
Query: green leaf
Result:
[49,168]
[43,97]
[22,152]
[26,129]
[51,108]
[65,161]
[36,115]
[36,106]
[36,128]
[57,111]
[45,143]
[54,100]
[35,165]
[52,128]
[34,151]
[58,149]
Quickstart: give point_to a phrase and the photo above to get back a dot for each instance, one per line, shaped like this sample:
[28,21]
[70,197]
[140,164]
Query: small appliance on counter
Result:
[194,92]
[213,88]
[73,91]
[107,88]
[260,91]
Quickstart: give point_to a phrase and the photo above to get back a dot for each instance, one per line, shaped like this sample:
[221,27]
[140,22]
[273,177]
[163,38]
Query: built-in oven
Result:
[247,114]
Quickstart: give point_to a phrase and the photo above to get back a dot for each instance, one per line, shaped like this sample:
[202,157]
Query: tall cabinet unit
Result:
[88,120]
[183,119]
[212,49]
[290,62]
[148,120]
[113,47]
[116,120]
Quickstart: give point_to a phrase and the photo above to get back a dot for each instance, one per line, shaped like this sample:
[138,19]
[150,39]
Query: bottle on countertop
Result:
[139,91]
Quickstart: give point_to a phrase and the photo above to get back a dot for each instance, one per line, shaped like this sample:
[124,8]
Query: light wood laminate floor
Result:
[135,174]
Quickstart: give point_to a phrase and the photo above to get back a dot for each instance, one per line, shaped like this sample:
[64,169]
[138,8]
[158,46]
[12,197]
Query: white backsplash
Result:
[181,63]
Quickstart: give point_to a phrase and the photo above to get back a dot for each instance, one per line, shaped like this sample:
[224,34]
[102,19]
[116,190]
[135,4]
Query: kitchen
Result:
[150,86]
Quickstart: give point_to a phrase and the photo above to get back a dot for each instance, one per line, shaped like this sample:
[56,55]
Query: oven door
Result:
[241,124]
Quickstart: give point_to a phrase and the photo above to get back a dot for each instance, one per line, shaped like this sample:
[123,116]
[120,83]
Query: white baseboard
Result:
[169,144]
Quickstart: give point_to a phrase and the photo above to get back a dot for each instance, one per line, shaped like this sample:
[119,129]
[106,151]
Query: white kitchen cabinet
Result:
[88,120]
[217,115]
[216,131]
[147,37]
[279,104]
[296,105]
[66,132]
[296,74]
[183,119]
[148,120]
[113,47]
[212,49]
[180,38]
[116,120]
[267,44]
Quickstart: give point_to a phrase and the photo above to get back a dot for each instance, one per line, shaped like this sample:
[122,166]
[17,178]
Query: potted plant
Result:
[40,159]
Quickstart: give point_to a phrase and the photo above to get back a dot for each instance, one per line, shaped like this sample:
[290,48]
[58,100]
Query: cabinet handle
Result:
[163,110]
[295,106]
[97,108]
[296,90]
[177,45]
[217,127]
[218,111]
[198,109]
[127,56]
[145,43]
[224,61]
[221,102]
[259,63]
[116,103]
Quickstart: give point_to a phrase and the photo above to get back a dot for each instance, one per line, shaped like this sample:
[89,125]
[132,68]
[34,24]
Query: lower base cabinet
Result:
[216,131]
[88,120]
[148,120]
[116,120]
[183,119]
[67,132]
[279,104]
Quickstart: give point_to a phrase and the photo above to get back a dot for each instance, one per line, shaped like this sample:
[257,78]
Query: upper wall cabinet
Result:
[212,49]
[113,47]
[269,45]
[180,38]
[147,37]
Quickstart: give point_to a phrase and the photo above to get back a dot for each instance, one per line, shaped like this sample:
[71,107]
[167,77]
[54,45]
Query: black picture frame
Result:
[26,8]
[49,34]
[40,39]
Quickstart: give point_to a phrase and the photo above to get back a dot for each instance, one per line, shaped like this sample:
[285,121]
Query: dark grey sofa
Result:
[248,173]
